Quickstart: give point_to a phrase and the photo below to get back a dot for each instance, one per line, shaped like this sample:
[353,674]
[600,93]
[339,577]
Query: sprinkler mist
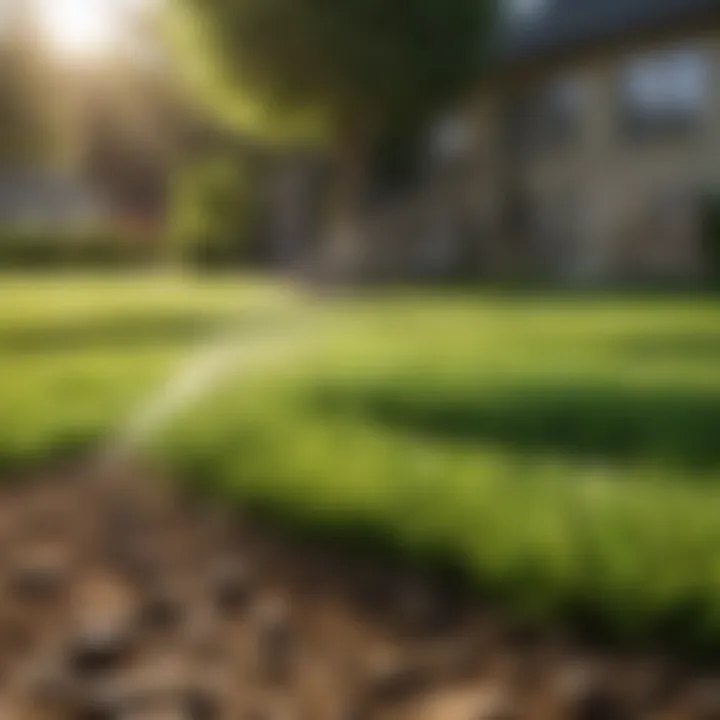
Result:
[230,353]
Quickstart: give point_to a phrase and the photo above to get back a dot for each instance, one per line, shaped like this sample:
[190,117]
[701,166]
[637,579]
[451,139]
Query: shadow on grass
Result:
[111,333]
[678,427]
[699,347]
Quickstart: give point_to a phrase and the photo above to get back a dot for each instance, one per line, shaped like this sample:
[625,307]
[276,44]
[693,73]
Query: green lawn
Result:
[563,452]
[79,353]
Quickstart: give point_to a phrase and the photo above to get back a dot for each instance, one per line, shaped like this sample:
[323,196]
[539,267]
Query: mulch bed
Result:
[123,600]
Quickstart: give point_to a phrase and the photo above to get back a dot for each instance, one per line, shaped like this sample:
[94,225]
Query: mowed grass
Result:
[563,453]
[79,353]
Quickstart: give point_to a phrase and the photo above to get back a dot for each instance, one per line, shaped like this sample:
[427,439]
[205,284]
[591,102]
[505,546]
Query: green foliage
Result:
[359,70]
[213,212]
[367,63]
[43,248]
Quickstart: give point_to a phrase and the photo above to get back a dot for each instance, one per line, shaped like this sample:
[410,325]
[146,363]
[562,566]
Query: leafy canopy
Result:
[373,63]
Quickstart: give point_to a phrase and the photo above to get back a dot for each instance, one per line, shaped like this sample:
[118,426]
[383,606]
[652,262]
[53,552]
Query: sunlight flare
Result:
[81,27]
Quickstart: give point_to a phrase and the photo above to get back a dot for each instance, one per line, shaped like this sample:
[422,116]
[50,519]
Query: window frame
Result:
[666,110]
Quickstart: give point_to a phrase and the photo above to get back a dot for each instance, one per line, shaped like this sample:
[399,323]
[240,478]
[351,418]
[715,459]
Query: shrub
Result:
[213,208]
[43,248]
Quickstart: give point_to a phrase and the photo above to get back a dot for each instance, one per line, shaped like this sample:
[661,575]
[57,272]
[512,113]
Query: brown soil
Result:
[123,601]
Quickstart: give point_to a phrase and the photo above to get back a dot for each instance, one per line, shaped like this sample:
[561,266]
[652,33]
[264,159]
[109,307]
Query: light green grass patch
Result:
[78,353]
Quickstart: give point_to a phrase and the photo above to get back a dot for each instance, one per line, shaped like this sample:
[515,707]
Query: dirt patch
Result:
[123,600]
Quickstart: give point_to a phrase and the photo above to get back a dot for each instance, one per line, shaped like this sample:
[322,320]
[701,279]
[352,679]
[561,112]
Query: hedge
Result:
[40,249]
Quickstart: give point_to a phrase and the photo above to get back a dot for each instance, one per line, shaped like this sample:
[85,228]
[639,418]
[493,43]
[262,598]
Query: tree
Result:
[363,67]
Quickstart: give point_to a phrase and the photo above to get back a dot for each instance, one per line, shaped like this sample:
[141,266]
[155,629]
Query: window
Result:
[664,92]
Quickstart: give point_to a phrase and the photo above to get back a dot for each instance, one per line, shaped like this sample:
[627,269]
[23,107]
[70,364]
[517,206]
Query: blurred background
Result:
[397,323]
[494,140]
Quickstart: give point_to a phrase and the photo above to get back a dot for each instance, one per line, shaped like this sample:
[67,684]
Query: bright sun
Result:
[81,27]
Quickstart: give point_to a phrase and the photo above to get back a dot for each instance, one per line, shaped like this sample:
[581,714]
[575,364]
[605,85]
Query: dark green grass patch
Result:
[600,420]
